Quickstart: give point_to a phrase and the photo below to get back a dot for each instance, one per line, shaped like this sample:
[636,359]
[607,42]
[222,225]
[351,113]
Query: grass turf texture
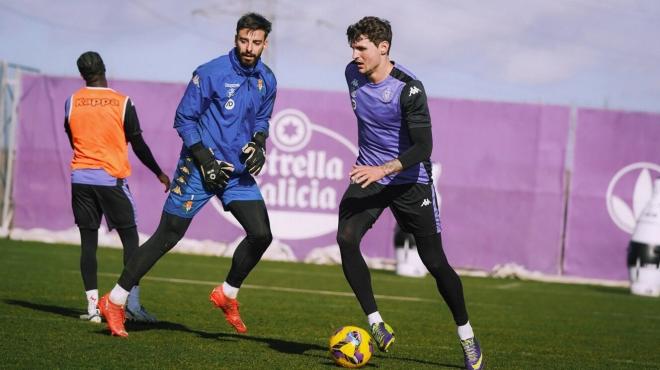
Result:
[521,325]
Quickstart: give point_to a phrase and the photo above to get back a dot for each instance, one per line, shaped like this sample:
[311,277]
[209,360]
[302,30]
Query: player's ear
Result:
[384,47]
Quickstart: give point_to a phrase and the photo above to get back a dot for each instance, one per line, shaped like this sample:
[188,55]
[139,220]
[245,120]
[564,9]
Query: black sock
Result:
[89,239]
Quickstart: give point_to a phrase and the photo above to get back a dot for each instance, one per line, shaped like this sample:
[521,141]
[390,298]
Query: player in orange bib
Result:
[100,122]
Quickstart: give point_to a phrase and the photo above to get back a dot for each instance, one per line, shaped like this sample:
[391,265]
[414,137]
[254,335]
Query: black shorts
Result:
[90,202]
[414,206]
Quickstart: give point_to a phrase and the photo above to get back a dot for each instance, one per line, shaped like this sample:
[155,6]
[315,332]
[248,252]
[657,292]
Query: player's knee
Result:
[347,239]
[261,238]
[441,270]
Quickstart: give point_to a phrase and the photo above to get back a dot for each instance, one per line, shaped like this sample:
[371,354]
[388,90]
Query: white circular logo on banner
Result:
[290,130]
[625,216]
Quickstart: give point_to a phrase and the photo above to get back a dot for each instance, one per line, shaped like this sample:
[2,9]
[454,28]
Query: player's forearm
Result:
[187,130]
[422,146]
[391,167]
[142,151]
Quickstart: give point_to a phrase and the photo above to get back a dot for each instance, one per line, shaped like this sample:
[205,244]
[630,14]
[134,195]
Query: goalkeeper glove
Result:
[215,173]
[254,153]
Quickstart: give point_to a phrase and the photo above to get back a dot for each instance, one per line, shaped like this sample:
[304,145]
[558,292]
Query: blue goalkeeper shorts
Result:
[188,195]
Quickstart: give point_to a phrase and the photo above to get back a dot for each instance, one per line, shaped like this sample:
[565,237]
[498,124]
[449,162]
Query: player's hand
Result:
[165,180]
[365,175]
[254,154]
[215,173]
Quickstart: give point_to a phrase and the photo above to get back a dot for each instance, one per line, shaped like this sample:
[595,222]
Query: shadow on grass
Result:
[279,345]
[62,311]
[611,290]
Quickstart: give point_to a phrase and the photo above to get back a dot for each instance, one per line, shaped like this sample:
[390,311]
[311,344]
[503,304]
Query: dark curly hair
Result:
[375,29]
[91,66]
[253,21]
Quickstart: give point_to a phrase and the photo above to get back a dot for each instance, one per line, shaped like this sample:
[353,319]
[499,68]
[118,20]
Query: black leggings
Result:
[430,250]
[252,215]
[89,239]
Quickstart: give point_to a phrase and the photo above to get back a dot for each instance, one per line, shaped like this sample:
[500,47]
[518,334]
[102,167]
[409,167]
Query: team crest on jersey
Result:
[260,84]
[187,205]
[386,96]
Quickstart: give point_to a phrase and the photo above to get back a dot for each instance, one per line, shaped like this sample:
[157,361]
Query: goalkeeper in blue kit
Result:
[223,122]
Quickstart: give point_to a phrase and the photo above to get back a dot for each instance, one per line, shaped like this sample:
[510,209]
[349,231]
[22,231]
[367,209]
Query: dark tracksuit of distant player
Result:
[394,123]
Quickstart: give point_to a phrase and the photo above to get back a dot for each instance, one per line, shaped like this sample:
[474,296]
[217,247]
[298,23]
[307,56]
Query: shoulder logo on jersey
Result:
[425,202]
[195,80]
[355,83]
[413,90]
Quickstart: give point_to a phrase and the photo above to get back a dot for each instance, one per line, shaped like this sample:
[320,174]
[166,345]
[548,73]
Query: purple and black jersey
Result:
[386,111]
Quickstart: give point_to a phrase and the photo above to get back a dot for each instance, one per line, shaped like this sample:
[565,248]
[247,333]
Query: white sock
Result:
[134,298]
[118,295]
[229,290]
[374,318]
[92,300]
[465,331]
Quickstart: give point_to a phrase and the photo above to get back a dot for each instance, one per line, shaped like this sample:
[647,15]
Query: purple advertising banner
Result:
[498,169]
[42,189]
[616,158]
[501,182]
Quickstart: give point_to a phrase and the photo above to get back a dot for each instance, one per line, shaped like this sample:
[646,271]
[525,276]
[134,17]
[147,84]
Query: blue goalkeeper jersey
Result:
[224,105]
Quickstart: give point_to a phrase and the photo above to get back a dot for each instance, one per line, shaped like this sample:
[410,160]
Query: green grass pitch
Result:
[291,310]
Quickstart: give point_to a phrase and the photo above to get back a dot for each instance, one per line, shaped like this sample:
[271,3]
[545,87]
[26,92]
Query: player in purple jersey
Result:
[393,169]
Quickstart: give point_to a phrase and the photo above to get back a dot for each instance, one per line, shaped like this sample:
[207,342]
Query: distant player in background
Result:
[393,170]
[223,122]
[100,122]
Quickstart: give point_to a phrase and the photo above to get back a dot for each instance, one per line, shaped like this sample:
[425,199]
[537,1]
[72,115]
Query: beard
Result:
[248,59]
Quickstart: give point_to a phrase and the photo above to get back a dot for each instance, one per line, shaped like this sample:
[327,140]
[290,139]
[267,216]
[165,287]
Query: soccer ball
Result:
[351,347]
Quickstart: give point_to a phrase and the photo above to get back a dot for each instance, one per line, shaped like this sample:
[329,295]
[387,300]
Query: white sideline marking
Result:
[278,289]
[508,286]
